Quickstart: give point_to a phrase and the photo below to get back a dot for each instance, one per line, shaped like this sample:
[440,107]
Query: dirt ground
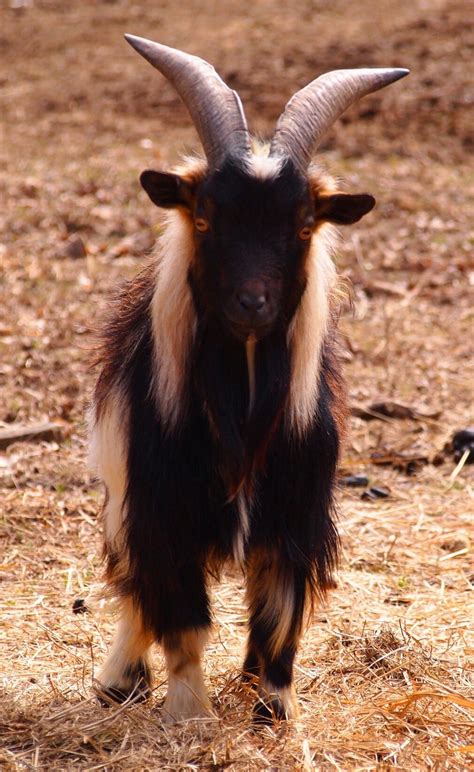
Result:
[385,674]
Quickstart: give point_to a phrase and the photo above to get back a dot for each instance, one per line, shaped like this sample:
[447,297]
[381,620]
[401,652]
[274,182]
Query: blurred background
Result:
[81,116]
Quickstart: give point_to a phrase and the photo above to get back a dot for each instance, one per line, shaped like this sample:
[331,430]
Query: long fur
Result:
[213,451]
[309,329]
[175,324]
[172,309]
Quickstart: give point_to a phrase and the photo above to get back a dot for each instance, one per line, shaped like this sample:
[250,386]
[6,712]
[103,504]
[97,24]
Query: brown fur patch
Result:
[271,590]
[121,333]
[321,184]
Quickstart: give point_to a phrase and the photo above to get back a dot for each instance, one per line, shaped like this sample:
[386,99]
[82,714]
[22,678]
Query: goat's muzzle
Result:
[250,310]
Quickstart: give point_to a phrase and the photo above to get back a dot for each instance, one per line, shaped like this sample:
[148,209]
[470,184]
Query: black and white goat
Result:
[219,409]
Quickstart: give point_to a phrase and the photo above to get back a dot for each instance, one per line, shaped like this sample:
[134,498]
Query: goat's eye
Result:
[305,233]
[201,224]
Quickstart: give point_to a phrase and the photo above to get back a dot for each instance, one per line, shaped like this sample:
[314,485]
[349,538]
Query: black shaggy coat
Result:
[218,445]
[184,486]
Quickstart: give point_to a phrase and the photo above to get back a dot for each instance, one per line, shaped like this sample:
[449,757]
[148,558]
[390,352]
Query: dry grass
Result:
[385,673]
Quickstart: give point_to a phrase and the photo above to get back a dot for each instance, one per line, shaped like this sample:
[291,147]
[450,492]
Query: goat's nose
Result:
[252,301]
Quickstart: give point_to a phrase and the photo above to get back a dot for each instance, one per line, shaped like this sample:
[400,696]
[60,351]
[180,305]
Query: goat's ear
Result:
[343,208]
[167,190]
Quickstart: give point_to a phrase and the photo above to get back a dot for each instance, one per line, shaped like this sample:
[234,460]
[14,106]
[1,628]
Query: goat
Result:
[219,409]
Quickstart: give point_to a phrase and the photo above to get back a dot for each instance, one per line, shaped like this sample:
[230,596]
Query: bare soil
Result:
[385,673]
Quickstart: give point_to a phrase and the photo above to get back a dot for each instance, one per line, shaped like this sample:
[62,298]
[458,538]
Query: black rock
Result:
[354,480]
[375,493]
[464,440]
[79,606]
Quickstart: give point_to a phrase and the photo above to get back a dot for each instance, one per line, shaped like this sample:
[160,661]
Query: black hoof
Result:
[137,688]
[107,696]
[268,712]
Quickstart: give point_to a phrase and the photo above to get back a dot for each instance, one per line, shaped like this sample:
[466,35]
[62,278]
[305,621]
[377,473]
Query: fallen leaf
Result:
[391,409]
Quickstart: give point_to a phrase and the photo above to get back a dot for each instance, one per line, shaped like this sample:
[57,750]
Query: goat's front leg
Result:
[187,696]
[184,624]
[276,592]
[126,672]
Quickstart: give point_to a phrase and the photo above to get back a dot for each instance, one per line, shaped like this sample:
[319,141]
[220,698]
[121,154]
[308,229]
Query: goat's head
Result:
[253,217]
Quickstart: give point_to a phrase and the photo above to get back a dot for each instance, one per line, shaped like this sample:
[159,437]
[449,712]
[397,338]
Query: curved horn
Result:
[313,109]
[215,109]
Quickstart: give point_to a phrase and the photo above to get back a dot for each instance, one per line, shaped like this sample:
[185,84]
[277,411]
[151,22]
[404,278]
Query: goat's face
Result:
[252,235]
[252,227]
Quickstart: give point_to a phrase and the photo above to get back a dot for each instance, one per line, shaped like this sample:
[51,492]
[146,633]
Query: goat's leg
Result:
[183,626]
[251,666]
[126,672]
[276,592]
[187,696]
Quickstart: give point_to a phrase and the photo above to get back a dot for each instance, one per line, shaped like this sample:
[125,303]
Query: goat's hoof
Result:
[269,711]
[110,695]
[275,706]
[183,705]
[174,714]
[169,718]
[135,686]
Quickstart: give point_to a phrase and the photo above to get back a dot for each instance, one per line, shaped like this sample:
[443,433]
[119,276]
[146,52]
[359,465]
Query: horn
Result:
[215,109]
[313,109]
